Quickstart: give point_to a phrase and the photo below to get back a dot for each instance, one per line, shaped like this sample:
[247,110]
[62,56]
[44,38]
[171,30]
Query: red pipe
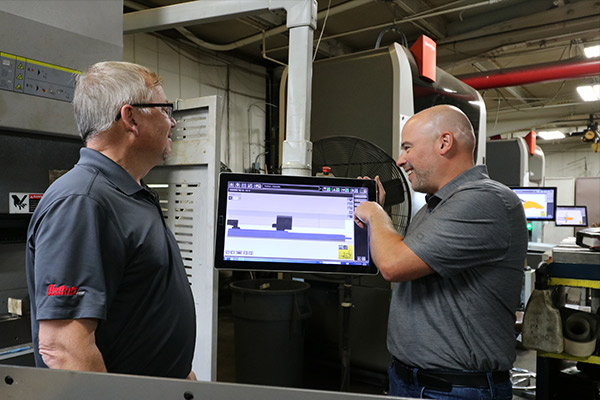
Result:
[569,69]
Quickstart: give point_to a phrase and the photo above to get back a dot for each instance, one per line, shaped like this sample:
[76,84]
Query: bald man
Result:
[458,270]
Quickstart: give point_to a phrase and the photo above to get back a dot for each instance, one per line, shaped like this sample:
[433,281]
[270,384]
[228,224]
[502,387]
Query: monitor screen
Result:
[571,216]
[539,202]
[292,223]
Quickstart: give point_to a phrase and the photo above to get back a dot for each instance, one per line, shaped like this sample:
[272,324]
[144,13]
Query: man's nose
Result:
[173,122]
[401,161]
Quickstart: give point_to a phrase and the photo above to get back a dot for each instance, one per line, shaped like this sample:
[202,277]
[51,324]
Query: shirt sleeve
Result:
[69,260]
[467,230]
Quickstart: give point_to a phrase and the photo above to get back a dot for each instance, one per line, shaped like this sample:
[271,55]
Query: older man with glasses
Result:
[106,280]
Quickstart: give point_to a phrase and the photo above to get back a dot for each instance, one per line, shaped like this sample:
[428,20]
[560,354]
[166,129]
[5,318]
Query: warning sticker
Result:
[345,252]
[23,203]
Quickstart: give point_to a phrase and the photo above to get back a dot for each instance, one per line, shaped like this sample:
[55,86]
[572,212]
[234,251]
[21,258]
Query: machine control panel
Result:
[37,78]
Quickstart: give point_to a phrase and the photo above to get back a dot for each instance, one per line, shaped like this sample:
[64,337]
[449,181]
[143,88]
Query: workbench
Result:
[570,266]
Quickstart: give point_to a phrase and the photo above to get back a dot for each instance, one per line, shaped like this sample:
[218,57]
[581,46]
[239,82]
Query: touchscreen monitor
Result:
[292,223]
[539,202]
[571,216]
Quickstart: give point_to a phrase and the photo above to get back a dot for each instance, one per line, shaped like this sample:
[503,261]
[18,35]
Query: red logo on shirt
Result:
[61,290]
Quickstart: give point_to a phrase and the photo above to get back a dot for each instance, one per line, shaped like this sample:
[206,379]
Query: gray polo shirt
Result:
[98,247]
[473,234]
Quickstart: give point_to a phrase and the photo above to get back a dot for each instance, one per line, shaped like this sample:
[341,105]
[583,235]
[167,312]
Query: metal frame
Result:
[19,383]
[301,22]
[188,187]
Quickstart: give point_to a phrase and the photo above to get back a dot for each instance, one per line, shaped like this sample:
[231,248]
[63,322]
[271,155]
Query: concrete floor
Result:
[324,379]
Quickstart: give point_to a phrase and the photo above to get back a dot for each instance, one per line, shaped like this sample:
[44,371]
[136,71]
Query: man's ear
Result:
[128,120]
[446,142]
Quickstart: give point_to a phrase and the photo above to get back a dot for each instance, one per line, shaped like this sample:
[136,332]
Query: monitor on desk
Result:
[539,202]
[292,223]
[571,216]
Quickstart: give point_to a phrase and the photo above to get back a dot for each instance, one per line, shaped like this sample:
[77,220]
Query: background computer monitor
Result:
[539,202]
[571,216]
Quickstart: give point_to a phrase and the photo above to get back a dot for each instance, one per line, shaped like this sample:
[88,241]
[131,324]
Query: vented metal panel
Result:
[187,185]
[177,203]
[191,125]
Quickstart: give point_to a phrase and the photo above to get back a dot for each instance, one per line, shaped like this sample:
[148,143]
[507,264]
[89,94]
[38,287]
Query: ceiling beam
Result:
[493,14]
[527,47]
[189,13]
[433,25]
[571,12]
[130,25]
[453,53]
[535,117]
[554,23]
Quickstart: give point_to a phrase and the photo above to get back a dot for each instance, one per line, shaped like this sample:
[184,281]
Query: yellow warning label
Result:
[345,252]
[18,87]
[7,55]
[20,66]
[19,76]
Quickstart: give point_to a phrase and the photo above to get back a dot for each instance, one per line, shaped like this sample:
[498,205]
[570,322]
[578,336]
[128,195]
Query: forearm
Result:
[394,259]
[384,242]
[85,359]
[70,345]
[191,376]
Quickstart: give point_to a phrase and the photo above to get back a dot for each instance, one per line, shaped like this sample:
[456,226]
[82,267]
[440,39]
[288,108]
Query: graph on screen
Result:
[539,203]
[571,216]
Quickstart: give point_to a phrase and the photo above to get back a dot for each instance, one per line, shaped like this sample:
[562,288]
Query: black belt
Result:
[444,380]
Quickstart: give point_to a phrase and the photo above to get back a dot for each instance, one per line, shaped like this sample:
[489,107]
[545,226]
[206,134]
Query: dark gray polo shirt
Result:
[98,247]
[473,234]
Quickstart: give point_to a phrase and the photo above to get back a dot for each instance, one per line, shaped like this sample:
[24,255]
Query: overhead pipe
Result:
[553,71]
[253,38]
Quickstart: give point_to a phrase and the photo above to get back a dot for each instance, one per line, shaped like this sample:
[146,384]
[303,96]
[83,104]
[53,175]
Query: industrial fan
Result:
[352,157]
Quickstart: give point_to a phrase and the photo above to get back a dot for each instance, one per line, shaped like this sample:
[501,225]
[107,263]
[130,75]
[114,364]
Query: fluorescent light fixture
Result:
[589,93]
[592,51]
[550,135]
[158,185]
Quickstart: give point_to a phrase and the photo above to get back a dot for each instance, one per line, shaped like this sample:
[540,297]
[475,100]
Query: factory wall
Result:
[574,168]
[578,161]
[188,73]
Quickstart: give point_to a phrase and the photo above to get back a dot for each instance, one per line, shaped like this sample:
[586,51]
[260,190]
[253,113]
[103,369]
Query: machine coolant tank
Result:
[542,325]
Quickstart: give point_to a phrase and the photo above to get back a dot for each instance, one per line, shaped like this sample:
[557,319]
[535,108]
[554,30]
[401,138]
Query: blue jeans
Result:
[495,391]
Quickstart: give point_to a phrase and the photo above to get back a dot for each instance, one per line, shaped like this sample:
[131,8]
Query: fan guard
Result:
[351,157]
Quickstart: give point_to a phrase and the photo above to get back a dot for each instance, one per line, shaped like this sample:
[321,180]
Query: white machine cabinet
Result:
[187,185]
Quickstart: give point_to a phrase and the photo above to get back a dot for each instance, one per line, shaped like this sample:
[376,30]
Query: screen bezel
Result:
[236,265]
[533,188]
[572,207]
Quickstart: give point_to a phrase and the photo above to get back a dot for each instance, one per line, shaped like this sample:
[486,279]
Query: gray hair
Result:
[104,88]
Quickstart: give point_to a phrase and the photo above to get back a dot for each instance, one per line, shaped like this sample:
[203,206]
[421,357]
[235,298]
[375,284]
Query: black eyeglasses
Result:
[167,108]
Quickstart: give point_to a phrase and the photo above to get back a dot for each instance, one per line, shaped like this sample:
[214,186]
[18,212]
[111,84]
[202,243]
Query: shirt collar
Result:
[475,173]
[113,172]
